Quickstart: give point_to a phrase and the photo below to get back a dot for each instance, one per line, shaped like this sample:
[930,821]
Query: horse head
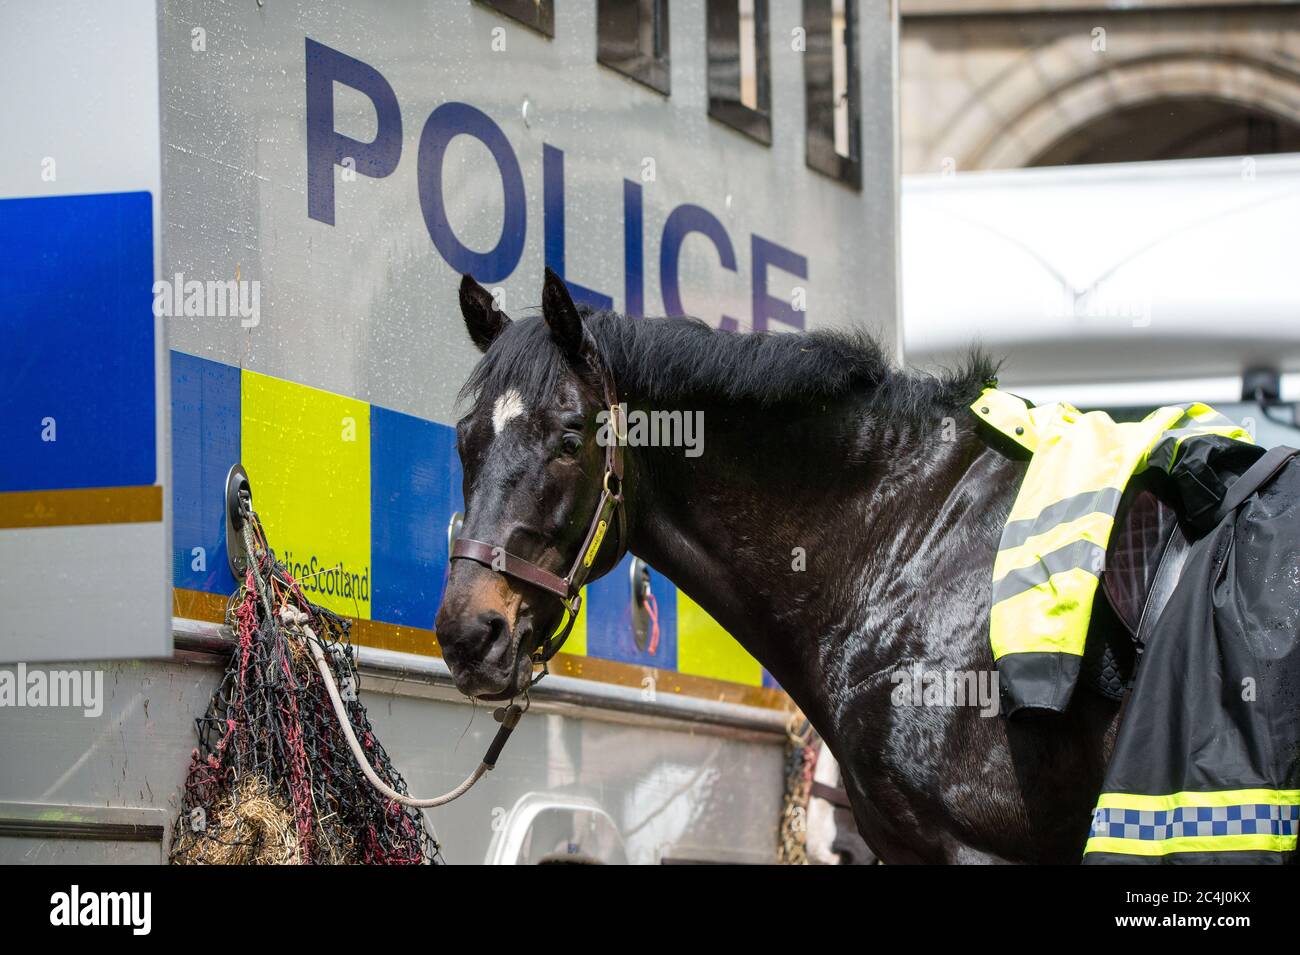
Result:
[537,466]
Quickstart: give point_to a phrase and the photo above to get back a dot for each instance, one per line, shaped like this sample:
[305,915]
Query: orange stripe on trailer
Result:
[198,605]
[81,506]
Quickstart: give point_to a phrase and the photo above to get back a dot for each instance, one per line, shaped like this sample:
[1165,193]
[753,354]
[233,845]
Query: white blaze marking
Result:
[509,405]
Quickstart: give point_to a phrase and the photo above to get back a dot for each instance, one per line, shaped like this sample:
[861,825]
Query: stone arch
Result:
[1050,94]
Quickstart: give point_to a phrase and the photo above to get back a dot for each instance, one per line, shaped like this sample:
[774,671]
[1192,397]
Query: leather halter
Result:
[609,510]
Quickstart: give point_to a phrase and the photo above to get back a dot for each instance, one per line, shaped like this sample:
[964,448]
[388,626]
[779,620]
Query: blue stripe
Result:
[415,487]
[77,358]
[205,443]
[609,619]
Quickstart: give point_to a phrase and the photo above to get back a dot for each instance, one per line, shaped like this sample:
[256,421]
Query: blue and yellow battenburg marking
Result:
[358,499]
[1241,820]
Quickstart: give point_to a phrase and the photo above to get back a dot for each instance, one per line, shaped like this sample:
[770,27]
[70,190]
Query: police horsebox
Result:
[234,234]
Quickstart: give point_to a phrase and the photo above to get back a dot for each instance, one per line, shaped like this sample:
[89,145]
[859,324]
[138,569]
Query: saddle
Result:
[1144,560]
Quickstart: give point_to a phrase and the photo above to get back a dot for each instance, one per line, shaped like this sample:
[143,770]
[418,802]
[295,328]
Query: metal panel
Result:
[46,834]
[83,401]
[358,258]
[367,307]
[662,784]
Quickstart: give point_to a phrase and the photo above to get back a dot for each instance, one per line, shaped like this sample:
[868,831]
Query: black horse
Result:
[841,523]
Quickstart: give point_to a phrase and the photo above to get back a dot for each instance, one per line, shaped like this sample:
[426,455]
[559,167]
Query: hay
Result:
[251,827]
[273,781]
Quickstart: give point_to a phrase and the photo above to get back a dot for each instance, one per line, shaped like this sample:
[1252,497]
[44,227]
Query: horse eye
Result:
[571,443]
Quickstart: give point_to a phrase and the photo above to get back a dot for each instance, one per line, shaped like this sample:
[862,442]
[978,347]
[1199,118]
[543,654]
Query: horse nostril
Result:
[476,641]
[494,628]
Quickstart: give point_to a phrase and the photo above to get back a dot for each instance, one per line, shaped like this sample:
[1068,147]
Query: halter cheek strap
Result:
[609,511]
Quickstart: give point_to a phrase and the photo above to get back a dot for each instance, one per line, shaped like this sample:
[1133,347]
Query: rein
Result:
[609,510]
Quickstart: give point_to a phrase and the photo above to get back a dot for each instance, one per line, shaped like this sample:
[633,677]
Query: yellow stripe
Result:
[1050,618]
[1227,797]
[704,649]
[79,506]
[1095,527]
[1239,842]
[308,454]
[577,642]
[1161,847]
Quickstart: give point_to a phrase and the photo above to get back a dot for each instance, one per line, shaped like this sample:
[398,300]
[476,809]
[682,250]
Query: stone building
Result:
[989,84]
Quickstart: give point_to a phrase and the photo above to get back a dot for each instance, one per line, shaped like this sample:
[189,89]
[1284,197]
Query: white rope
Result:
[346,725]
[291,615]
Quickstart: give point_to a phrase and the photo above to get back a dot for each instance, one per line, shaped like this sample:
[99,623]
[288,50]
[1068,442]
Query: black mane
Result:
[673,361]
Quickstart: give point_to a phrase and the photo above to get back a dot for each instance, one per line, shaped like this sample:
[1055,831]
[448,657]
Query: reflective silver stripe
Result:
[1081,555]
[1209,419]
[1068,509]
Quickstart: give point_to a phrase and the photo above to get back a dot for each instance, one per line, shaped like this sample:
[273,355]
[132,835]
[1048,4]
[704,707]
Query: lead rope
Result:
[508,716]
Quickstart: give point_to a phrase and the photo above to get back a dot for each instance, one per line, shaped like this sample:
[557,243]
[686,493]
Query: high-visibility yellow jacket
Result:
[1053,546]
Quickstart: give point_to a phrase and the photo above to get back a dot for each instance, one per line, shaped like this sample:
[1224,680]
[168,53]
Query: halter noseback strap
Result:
[609,510]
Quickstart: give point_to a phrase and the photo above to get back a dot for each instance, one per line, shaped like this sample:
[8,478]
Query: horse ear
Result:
[483,319]
[562,315]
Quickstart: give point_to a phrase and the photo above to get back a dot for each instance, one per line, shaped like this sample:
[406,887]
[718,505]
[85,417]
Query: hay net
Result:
[801,750]
[272,780]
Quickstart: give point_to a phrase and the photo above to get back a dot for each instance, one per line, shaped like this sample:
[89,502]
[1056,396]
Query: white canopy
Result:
[1133,272]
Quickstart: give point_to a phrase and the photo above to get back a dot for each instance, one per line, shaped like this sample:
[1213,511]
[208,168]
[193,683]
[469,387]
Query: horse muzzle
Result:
[486,631]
